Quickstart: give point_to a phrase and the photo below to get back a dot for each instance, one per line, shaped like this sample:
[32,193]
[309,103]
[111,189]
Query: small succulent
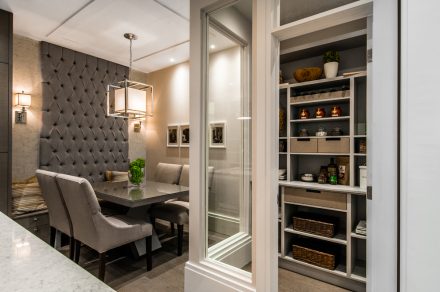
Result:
[136,171]
[331,56]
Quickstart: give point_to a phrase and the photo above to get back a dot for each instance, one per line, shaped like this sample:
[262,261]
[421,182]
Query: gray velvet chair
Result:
[59,218]
[95,230]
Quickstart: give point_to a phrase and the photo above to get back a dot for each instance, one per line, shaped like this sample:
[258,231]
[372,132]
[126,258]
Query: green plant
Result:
[136,171]
[331,56]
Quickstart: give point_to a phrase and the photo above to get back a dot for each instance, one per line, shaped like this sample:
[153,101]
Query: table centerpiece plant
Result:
[136,171]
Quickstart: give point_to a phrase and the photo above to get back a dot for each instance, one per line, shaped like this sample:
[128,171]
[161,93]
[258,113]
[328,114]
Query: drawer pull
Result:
[313,191]
[332,139]
[303,140]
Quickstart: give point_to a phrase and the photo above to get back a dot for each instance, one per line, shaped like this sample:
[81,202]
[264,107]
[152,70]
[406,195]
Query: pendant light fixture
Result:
[127,98]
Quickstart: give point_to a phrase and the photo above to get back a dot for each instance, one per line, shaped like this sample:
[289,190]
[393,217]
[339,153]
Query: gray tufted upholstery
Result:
[77,138]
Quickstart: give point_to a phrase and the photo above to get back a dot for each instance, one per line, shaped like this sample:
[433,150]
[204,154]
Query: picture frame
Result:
[184,135]
[173,136]
[217,135]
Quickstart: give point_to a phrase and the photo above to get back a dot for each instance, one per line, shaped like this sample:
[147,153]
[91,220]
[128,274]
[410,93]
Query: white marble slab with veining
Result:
[29,264]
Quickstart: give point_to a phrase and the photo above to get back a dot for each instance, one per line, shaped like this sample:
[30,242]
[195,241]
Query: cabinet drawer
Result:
[303,145]
[334,145]
[316,198]
[33,221]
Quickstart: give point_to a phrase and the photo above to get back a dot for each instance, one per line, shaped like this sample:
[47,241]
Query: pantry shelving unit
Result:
[303,43]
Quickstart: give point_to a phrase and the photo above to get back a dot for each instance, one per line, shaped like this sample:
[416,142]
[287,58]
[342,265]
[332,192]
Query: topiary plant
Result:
[331,56]
[136,171]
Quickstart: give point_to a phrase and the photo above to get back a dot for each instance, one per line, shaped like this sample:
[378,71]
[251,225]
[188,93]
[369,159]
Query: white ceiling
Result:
[96,27]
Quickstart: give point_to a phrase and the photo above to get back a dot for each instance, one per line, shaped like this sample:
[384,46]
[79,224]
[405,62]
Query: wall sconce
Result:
[137,127]
[24,101]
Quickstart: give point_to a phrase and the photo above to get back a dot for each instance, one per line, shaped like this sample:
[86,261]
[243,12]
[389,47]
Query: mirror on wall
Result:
[228,135]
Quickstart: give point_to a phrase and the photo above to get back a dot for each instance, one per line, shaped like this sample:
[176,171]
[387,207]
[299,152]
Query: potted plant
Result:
[136,172]
[331,64]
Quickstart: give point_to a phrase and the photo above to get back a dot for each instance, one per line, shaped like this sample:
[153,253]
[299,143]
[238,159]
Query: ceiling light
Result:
[127,98]
[212,46]
[172,60]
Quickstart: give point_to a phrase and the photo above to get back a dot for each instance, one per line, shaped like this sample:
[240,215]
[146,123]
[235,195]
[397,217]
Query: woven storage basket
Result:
[314,226]
[314,257]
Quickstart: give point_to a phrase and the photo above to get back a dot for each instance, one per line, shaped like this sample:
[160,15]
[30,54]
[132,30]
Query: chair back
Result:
[58,215]
[168,173]
[82,205]
[184,176]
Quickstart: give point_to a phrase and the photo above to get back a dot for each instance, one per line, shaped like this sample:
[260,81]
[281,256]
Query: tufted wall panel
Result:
[77,138]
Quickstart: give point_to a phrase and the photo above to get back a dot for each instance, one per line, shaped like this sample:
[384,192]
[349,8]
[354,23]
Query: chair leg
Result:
[102,266]
[148,246]
[179,239]
[153,222]
[72,248]
[77,250]
[53,233]
[172,228]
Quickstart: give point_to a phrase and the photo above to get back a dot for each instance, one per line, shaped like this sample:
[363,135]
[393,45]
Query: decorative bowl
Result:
[308,177]
[307,74]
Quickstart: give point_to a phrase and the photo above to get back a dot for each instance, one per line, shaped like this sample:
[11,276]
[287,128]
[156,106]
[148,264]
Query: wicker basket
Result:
[314,257]
[315,226]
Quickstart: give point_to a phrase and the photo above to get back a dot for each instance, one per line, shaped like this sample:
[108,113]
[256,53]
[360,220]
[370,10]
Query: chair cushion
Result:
[174,213]
[180,203]
[168,173]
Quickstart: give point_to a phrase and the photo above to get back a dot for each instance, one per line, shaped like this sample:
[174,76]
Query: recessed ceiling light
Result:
[172,60]
[212,46]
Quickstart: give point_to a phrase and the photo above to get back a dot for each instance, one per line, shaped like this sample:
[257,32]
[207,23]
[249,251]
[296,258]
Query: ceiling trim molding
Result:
[160,51]
[172,10]
[70,17]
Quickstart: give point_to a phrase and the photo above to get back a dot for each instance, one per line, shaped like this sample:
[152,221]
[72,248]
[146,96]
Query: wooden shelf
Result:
[340,269]
[360,154]
[324,187]
[360,136]
[321,154]
[315,120]
[282,137]
[338,238]
[282,152]
[359,236]
[321,101]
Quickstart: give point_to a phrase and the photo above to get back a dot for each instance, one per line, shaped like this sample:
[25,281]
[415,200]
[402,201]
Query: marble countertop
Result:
[29,264]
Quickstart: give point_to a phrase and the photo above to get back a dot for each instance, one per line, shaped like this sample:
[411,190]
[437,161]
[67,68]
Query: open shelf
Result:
[318,137]
[359,236]
[339,270]
[321,101]
[321,154]
[359,272]
[338,238]
[324,187]
[315,120]
[316,207]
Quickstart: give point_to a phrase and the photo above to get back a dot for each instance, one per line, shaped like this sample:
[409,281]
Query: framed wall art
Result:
[217,135]
[184,135]
[173,136]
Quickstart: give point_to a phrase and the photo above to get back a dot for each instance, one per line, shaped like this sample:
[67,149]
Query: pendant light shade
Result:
[127,98]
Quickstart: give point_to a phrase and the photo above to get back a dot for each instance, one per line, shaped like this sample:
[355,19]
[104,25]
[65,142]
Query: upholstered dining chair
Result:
[59,218]
[168,173]
[95,230]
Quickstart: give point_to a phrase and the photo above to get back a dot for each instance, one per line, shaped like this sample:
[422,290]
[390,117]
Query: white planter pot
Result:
[331,69]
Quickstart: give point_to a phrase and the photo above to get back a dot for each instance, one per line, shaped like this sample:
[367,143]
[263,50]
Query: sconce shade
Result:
[23,100]
[128,99]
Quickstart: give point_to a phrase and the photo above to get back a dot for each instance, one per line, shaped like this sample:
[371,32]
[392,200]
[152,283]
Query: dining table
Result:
[138,199]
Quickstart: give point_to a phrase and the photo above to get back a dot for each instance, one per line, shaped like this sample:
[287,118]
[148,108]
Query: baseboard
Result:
[200,278]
